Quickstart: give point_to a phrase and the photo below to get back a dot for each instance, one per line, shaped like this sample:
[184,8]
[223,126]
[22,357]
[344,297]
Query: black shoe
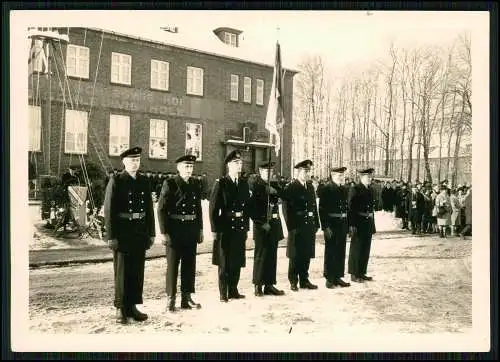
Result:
[271,290]
[224,299]
[341,283]
[330,285]
[356,279]
[308,285]
[294,287]
[121,316]
[258,291]
[192,303]
[365,277]
[171,304]
[136,314]
[235,295]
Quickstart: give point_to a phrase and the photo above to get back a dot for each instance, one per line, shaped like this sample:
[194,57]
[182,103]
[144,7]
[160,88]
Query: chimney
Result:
[170,29]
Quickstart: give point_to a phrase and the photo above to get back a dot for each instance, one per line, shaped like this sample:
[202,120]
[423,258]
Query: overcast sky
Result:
[342,37]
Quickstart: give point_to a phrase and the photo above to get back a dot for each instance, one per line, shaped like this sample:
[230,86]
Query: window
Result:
[121,65]
[119,134]
[260,92]
[194,140]
[34,127]
[247,90]
[159,74]
[38,57]
[230,39]
[194,81]
[76,132]
[234,87]
[158,137]
[77,61]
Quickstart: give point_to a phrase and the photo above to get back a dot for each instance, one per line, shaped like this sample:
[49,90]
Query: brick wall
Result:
[213,110]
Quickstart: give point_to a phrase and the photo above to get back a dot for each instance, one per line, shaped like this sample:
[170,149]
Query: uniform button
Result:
[142,193]
[242,228]
[130,202]
[142,201]
[142,209]
[183,204]
[130,218]
[130,210]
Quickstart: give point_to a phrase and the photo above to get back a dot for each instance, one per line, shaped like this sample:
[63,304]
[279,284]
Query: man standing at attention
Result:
[333,216]
[361,226]
[230,223]
[130,231]
[263,208]
[181,225]
[302,221]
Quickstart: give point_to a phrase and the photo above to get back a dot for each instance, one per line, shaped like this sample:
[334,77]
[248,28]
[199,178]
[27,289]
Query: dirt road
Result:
[421,285]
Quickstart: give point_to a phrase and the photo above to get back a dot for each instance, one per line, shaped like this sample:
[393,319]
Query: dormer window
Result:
[229,36]
[230,39]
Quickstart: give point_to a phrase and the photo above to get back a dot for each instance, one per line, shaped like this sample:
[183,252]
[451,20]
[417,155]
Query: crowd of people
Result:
[422,207]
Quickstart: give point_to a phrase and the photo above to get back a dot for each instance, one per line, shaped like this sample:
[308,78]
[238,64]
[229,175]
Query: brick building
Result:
[123,90]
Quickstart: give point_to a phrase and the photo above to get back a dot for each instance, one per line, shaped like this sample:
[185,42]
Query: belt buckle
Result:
[343,215]
[238,214]
[310,213]
[275,216]
[135,215]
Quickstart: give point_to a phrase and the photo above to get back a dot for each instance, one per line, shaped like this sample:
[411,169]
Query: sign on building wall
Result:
[194,140]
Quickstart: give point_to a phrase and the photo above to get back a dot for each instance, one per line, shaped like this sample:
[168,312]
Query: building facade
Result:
[105,91]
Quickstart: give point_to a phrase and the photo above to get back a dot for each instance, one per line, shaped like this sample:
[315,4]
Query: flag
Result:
[274,116]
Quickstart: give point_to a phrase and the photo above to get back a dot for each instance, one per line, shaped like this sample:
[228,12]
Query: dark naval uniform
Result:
[180,216]
[333,216]
[266,241]
[129,218]
[361,221]
[302,221]
[229,219]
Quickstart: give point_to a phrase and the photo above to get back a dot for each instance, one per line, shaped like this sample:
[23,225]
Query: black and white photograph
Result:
[245,181]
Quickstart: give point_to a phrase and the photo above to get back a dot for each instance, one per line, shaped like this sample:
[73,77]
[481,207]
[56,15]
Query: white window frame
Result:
[119,72]
[195,145]
[38,56]
[77,65]
[230,38]
[234,87]
[34,128]
[194,81]
[160,78]
[247,90]
[153,136]
[119,134]
[76,124]
[259,96]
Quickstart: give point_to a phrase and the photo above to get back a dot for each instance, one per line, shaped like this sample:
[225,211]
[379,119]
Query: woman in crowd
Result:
[443,210]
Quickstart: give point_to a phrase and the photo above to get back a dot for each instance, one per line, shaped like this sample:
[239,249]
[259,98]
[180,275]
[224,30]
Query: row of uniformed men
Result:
[130,225]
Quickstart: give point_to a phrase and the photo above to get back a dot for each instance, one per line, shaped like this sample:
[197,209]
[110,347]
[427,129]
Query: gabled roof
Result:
[203,41]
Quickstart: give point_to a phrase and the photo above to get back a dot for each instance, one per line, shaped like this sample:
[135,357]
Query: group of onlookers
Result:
[426,208]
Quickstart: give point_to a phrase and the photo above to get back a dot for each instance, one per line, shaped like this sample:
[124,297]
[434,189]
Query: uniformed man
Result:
[70,178]
[361,225]
[333,217]
[302,220]
[181,225]
[229,222]
[263,209]
[130,231]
